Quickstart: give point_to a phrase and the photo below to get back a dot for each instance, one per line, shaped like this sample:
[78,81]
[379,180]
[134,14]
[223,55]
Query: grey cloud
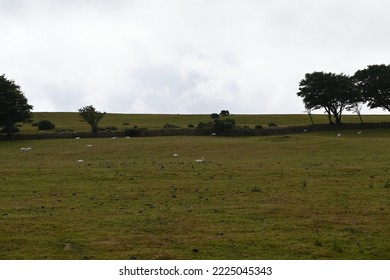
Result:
[184,56]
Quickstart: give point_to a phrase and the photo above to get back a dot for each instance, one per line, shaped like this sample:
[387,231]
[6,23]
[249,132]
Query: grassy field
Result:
[72,121]
[306,196]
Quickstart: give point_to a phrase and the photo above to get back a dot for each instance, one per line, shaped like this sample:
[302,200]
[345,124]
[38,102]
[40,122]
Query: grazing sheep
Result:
[25,150]
[77,138]
[175,155]
[80,161]
[213,134]
[359,133]
[200,160]
[339,135]
[89,145]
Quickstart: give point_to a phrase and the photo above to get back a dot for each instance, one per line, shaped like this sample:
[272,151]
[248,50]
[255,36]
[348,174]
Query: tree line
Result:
[338,92]
[329,91]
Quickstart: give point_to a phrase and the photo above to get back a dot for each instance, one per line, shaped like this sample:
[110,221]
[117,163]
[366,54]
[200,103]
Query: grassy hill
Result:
[72,121]
[299,196]
[306,196]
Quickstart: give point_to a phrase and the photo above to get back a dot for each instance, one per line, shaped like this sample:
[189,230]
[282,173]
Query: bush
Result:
[271,124]
[223,125]
[258,126]
[45,125]
[214,116]
[225,113]
[217,126]
[169,125]
[203,125]
[191,125]
[132,132]
[107,129]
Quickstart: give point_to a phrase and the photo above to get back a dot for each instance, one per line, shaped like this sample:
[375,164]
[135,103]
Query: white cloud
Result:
[193,56]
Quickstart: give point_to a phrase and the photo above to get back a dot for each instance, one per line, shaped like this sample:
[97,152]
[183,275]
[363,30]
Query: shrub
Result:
[225,113]
[206,128]
[217,126]
[223,125]
[109,129]
[191,125]
[169,125]
[271,124]
[132,132]
[214,116]
[258,126]
[45,125]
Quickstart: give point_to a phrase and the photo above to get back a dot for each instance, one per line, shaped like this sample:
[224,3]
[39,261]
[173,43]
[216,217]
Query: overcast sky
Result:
[184,56]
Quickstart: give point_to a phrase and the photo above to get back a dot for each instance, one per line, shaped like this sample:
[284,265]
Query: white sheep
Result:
[175,155]
[77,138]
[359,133]
[80,161]
[25,150]
[339,135]
[200,160]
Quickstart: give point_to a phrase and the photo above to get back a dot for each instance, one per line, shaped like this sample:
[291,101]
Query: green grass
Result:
[307,196]
[72,121]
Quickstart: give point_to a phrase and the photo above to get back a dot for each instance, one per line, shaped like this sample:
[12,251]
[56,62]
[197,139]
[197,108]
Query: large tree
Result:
[374,85]
[14,107]
[91,116]
[332,92]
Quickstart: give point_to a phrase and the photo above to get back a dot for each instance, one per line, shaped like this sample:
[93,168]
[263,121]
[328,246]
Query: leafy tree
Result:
[91,116]
[46,125]
[214,116]
[309,112]
[225,113]
[374,85]
[223,125]
[357,108]
[13,105]
[332,92]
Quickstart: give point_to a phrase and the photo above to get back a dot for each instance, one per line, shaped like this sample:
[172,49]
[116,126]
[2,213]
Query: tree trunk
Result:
[338,120]
[311,118]
[360,117]
[330,118]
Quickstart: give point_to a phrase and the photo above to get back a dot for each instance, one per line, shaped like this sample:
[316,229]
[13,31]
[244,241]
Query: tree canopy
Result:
[14,107]
[91,116]
[374,85]
[332,92]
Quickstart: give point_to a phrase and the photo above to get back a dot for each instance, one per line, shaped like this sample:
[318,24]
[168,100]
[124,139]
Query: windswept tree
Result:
[91,116]
[309,112]
[332,92]
[374,85]
[14,107]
